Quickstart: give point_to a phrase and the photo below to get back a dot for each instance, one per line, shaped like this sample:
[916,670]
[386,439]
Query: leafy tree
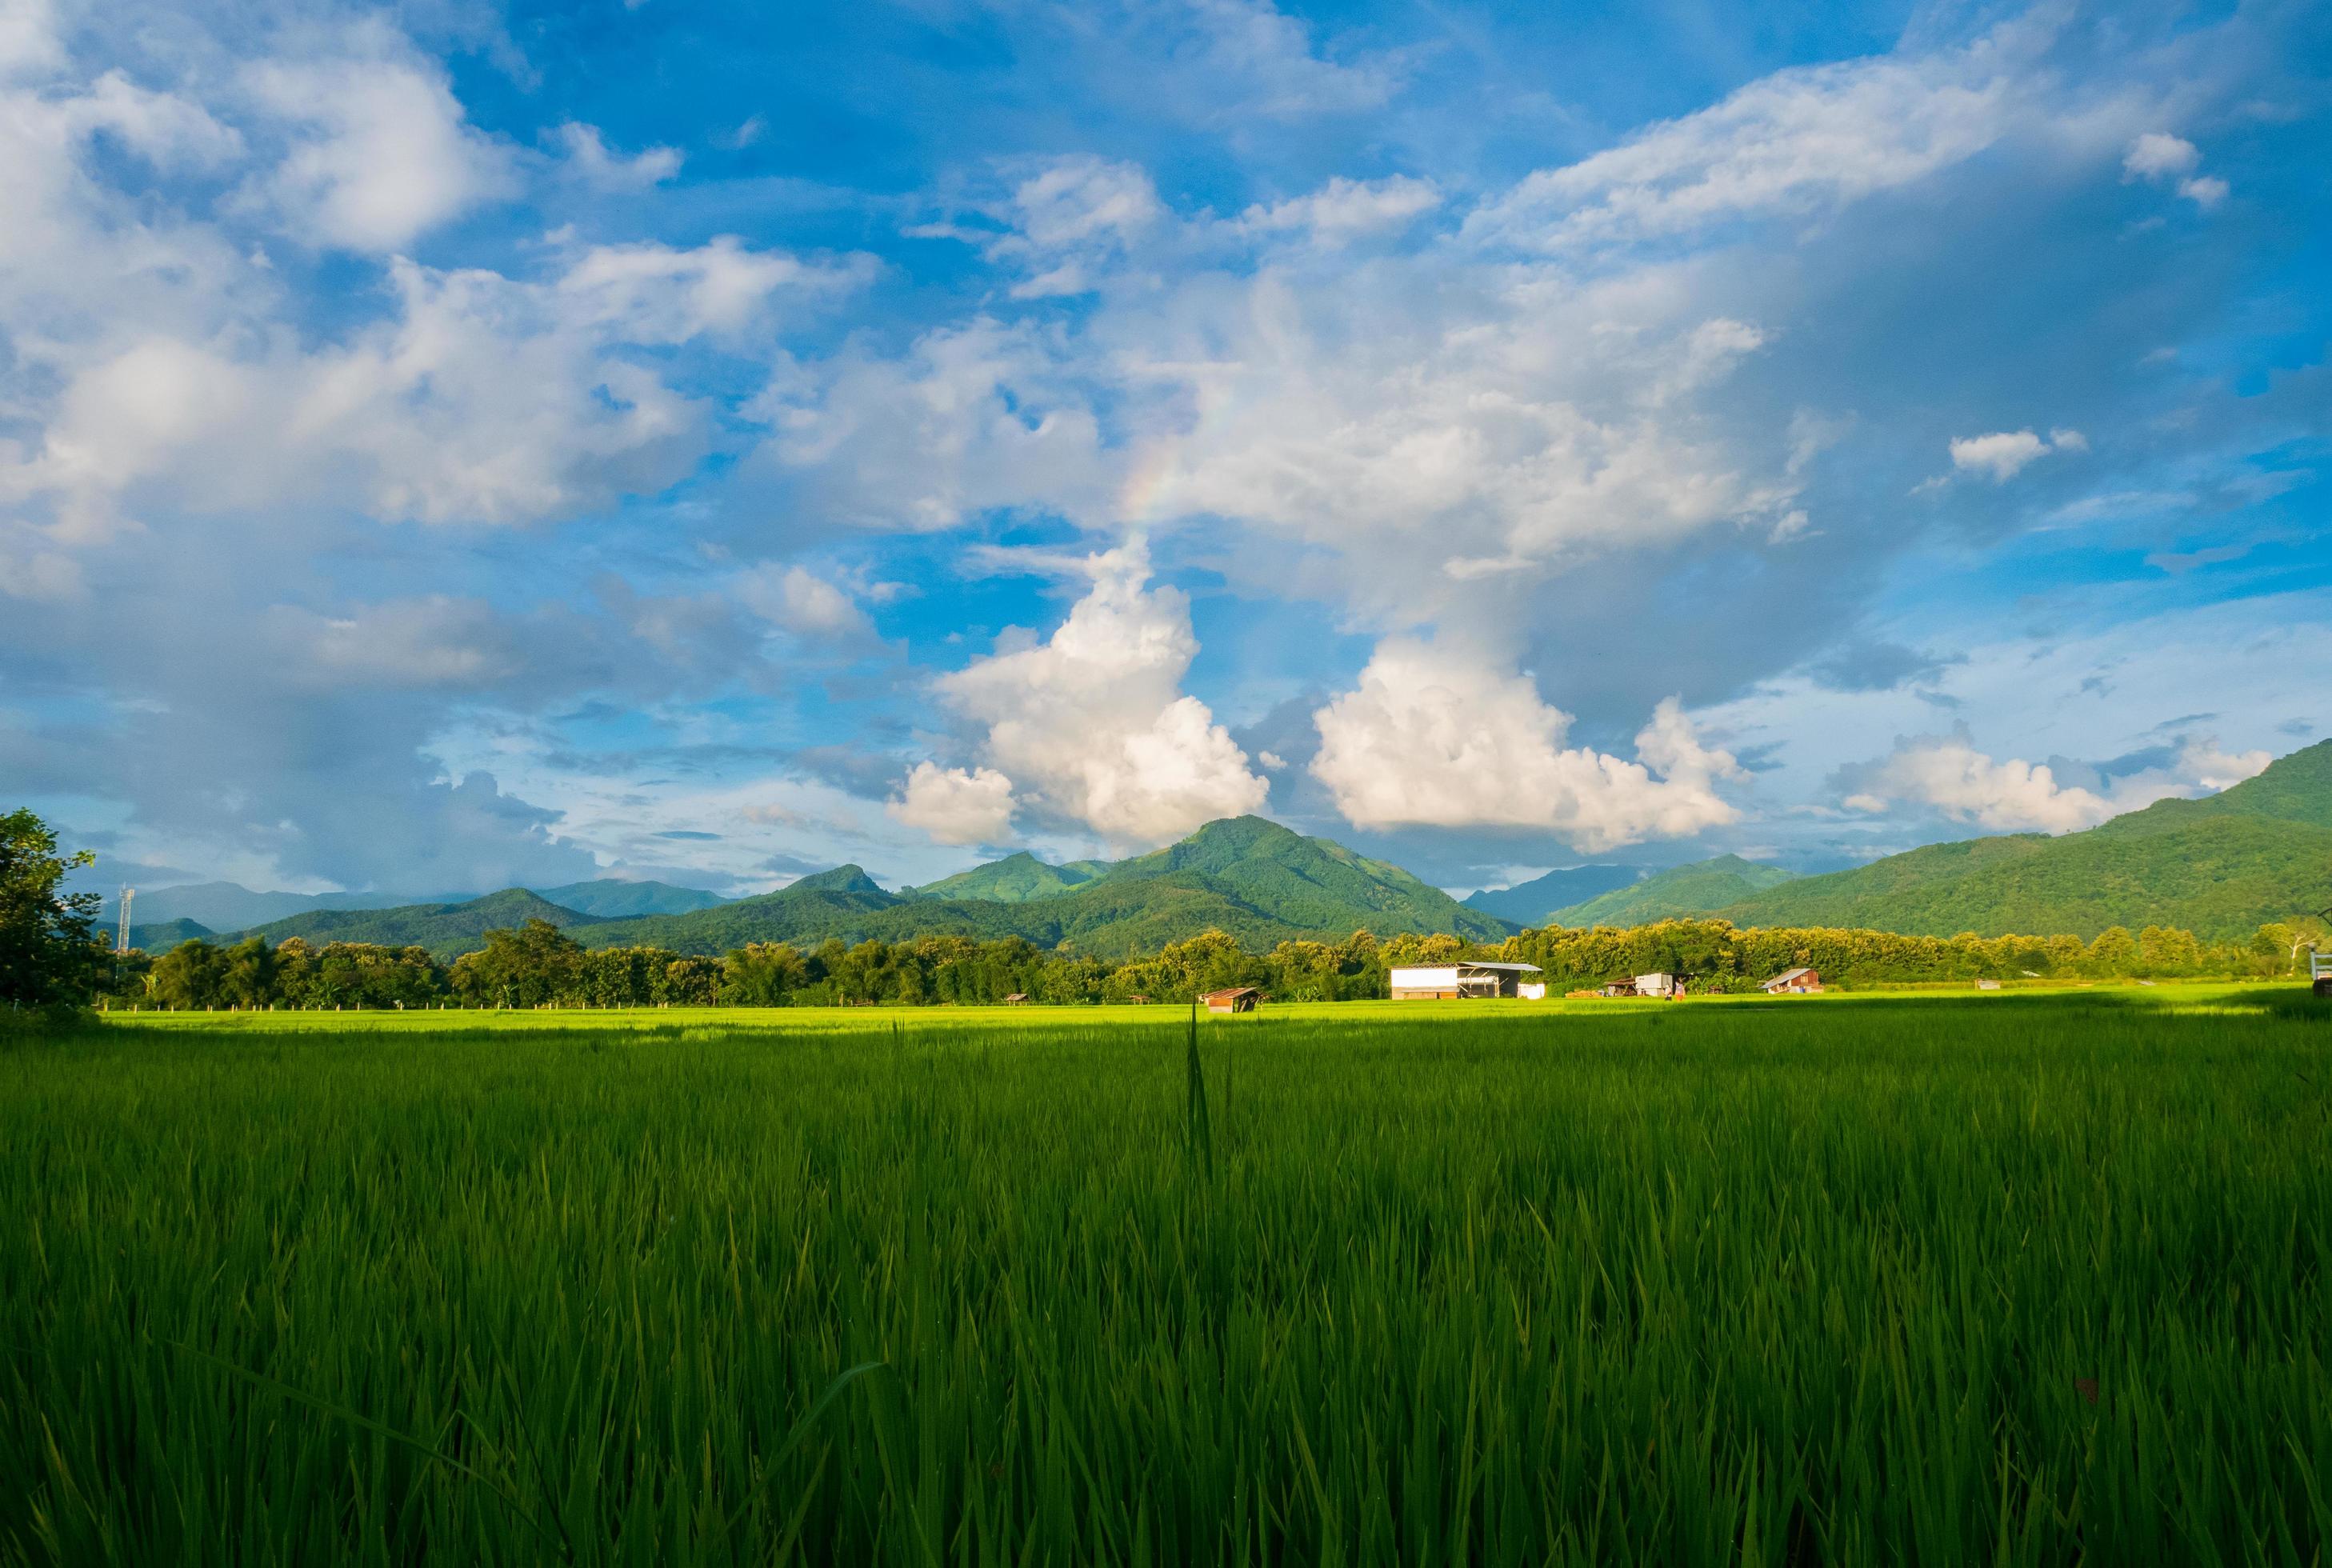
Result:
[761,974]
[688,981]
[531,966]
[248,974]
[188,975]
[2114,952]
[50,956]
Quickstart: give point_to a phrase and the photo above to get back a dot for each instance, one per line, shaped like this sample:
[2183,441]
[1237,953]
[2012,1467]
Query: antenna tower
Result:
[121,940]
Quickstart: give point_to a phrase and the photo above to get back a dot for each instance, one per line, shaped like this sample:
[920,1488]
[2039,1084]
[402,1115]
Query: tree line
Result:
[52,957]
[539,965]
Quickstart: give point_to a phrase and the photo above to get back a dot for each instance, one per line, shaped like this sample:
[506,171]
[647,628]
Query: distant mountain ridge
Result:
[1681,890]
[167,934]
[228,906]
[2221,867]
[1533,903]
[1015,879]
[611,899]
[1257,880]
[446,929]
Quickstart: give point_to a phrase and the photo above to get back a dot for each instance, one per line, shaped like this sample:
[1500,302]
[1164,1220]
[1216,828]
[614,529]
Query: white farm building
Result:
[1428,981]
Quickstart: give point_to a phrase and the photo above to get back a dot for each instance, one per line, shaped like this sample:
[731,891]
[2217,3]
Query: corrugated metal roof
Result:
[1523,968]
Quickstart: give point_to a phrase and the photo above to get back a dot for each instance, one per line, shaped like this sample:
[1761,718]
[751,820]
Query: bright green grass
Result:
[1656,1283]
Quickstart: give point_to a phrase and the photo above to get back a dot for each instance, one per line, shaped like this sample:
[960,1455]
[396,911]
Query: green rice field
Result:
[2030,1278]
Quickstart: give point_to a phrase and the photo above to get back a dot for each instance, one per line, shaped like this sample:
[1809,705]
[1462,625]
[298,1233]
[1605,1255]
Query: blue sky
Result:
[442,448]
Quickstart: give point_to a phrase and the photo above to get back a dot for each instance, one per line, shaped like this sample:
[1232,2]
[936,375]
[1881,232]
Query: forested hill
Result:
[228,906]
[1681,890]
[2220,867]
[1534,903]
[1254,879]
[446,929]
[1015,879]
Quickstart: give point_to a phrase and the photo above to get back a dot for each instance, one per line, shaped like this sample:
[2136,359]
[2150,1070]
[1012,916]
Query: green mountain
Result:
[610,899]
[1254,879]
[2221,866]
[445,929]
[1534,903]
[164,934]
[1681,890]
[230,906]
[1015,879]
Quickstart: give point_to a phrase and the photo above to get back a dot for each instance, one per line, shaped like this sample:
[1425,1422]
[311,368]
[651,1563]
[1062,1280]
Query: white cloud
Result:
[1948,773]
[166,129]
[402,643]
[1067,222]
[1964,784]
[28,38]
[587,155]
[380,152]
[475,401]
[1344,209]
[1434,735]
[653,294]
[800,601]
[2206,191]
[1250,58]
[1797,142]
[1092,723]
[2213,768]
[1074,200]
[472,397]
[1419,432]
[2157,155]
[956,806]
[2004,453]
[973,417]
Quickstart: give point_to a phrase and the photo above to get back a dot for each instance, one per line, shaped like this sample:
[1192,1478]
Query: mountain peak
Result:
[1017,878]
[847,878]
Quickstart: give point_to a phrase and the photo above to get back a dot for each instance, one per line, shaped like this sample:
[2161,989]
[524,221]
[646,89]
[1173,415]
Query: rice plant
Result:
[2026,1280]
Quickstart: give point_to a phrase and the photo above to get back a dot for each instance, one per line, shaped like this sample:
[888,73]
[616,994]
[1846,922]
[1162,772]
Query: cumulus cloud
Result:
[1345,209]
[163,128]
[654,293]
[436,641]
[28,38]
[2004,453]
[955,805]
[2212,768]
[2206,191]
[1434,735]
[479,398]
[1093,723]
[1065,224]
[380,150]
[2159,157]
[1239,59]
[155,362]
[1797,142]
[972,418]
[594,164]
[800,601]
[1423,446]
[1947,773]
